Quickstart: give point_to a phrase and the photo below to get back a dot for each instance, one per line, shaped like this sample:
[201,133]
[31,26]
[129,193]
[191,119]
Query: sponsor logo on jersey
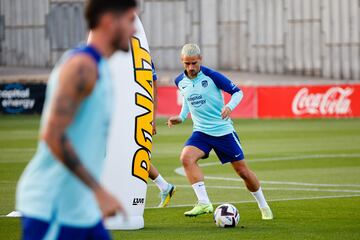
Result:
[196,100]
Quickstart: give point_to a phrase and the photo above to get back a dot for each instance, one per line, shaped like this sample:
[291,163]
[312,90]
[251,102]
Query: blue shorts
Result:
[34,229]
[227,147]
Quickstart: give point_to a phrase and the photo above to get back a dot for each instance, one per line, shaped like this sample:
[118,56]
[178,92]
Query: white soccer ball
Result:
[226,215]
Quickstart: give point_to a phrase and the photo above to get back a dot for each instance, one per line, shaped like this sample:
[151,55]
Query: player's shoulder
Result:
[213,74]
[79,61]
[220,80]
[179,78]
[216,76]
[80,66]
[207,71]
[82,57]
[87,53]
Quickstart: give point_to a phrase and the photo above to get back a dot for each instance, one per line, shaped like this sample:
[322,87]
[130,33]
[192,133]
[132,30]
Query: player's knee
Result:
[187,160]
[243,172]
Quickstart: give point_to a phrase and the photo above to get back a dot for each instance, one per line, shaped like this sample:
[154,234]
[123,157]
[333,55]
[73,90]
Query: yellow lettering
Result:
[143,122]
[141,164]
[139,54]
[144,78]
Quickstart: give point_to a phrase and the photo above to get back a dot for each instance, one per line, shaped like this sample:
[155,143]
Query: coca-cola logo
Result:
[335,101]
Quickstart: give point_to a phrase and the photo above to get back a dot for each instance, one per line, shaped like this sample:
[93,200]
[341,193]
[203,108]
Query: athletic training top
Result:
[47,190]
[204,100]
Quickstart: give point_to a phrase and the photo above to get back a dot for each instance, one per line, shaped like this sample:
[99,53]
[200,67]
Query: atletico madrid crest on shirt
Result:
[204,83]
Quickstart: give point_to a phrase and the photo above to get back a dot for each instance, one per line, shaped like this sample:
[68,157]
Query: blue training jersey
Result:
[202,97]
[47,190]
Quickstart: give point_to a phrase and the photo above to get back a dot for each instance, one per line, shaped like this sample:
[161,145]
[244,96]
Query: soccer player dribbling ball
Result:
[59,194]
[212,129]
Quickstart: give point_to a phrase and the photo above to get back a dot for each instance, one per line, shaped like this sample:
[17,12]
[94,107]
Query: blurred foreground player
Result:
[59,194]
[212,128]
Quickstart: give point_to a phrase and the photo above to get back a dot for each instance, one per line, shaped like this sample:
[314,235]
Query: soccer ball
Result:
[226,215]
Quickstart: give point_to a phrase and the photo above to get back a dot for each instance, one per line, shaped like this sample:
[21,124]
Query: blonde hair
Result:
[190,50]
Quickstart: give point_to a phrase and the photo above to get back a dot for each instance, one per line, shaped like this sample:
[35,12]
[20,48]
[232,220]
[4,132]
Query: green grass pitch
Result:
[310,173]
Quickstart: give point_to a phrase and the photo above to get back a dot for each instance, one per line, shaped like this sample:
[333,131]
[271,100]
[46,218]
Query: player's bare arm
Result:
[173,121]
[77,80]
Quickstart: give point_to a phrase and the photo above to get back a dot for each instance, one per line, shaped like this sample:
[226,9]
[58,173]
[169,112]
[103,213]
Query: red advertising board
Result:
[281,101]
[248,106]
[309,101]
[169,101]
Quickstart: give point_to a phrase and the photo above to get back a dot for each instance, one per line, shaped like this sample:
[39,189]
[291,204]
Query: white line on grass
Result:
[277,189]
[290,158]
[180,170]
[271,200]
[286,183]
[18,150]
[14,161]
[252,201]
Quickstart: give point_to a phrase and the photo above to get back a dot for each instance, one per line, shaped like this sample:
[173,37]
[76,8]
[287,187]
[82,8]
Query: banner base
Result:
[14,214]
[120,223]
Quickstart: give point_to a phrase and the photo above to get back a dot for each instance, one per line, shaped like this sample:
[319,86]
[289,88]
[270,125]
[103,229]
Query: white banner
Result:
[130,142]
